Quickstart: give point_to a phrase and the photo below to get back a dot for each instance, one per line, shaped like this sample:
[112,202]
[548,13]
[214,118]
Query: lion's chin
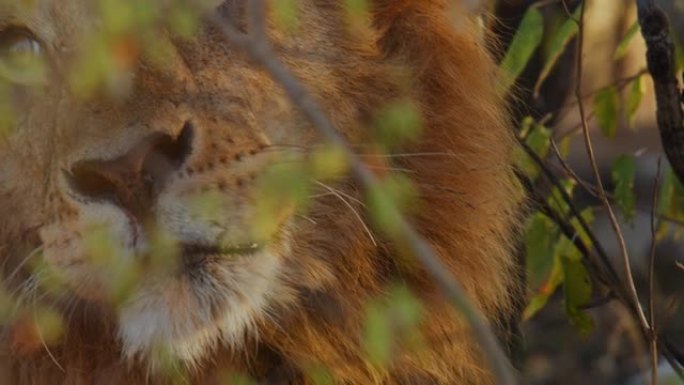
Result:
[182,319]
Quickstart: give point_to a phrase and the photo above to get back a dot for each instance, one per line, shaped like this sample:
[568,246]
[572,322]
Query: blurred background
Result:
[613,350]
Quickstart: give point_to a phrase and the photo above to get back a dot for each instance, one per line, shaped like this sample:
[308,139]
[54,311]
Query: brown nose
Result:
[133,181]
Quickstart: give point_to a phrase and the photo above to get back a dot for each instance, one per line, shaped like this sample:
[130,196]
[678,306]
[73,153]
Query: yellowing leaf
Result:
[49,324]
[541,297]
[328,162]
[606,106]
[24,69]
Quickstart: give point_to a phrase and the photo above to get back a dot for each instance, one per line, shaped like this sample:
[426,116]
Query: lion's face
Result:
[163,168]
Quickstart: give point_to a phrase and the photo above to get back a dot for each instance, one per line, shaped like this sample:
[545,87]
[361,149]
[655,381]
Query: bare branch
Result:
[634,297]
[651,267]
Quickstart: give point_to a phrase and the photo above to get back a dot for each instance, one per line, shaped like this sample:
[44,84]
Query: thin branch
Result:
[619,84]
[605,271]
[608,270]
[593,190]
[651,269]
[261,52]
[660,58]
[597,175]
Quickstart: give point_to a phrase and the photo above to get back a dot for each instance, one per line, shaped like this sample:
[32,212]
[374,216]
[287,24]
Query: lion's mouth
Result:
[196,255]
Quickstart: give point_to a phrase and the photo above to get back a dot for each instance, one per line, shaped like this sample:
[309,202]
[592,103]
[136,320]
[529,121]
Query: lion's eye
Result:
[21,57]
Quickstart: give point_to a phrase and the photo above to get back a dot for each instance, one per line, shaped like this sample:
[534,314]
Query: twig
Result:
[651,267]
[661,64]
[260,51]
[619,84]
[634,297]
[593,191]
[606,272]
[608,269]
[566,167]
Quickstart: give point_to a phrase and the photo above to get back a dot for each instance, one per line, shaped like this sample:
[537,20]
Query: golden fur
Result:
[302,302]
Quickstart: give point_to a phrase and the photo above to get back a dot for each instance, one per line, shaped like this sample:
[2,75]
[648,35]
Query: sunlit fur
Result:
[298,303]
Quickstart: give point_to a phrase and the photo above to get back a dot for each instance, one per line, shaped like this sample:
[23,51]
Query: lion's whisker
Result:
[21,264]
[340,196]
[306,217]
[42,339]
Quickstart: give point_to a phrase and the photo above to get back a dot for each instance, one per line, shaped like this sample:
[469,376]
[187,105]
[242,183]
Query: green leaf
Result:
[559,41]
[378,335]
[535,305]
[621,50]
[7,110]
[398,122]
[671,200]
[184,20]
[327,162]
[623,174]
[360,7]
[577,286]
[540,237]
[545,245]
[123,17]
[556,200]
[679,52]
[406,309]
[578,291]
[319,375]
[23,68]
[358,17]
[285,12]
[49,324]
[564,146]
[538,138]
[235,379]
[634,97]
[588,216]
[386,200]
[390,321]
[524,43]
[283,188]
[545,291]
[606,106]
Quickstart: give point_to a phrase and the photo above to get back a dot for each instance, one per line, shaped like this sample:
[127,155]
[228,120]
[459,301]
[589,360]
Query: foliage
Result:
[554,258]
[561,251]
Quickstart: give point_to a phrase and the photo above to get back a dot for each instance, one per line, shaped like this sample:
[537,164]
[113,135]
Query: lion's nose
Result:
[133,180]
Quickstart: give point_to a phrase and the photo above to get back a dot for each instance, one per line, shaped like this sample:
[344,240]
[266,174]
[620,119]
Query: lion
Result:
[125,170]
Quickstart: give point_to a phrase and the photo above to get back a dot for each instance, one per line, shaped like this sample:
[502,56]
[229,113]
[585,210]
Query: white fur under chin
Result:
[172,319]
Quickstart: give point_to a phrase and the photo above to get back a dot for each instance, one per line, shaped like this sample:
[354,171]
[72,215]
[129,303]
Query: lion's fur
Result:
[467,206]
